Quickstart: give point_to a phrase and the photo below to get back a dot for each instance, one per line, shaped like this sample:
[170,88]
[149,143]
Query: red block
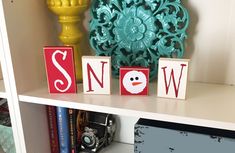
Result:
[60,69]
[134,81]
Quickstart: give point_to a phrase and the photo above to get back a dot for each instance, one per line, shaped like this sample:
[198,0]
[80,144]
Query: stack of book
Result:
[65,128]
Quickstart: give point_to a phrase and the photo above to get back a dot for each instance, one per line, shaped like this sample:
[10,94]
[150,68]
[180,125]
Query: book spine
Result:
[72,130]
[52,125]
[63,129]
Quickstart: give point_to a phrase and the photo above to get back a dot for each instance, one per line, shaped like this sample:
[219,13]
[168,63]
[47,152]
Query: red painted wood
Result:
[134,81]
[60,69]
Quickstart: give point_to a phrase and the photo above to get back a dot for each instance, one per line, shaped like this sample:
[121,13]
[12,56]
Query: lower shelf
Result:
[209,105]
[116,147]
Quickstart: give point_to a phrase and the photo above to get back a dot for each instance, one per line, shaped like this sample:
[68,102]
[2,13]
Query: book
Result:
[63,129]
[53,132]
[73,130]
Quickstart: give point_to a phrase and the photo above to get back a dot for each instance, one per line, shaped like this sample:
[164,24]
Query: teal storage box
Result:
[164,137]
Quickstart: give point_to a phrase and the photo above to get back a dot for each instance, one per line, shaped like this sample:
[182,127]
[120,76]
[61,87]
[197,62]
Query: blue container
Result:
[163,137]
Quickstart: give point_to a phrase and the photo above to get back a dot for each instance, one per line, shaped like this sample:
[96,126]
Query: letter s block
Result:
[172,78]
[96,72]
[60,69]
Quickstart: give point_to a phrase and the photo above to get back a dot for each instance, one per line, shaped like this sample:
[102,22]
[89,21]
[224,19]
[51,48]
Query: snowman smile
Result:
[136,83]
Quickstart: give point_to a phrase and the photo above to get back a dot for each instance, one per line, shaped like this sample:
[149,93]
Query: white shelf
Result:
[207,105]
[118,148]
[2,90]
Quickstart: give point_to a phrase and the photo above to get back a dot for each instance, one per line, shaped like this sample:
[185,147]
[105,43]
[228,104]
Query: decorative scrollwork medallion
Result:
[138,32]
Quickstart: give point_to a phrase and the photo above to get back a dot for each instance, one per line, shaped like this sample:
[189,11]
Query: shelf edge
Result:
[131,113]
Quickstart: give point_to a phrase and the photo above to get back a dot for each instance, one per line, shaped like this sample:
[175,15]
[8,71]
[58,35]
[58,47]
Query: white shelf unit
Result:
[27,26]
[5,90]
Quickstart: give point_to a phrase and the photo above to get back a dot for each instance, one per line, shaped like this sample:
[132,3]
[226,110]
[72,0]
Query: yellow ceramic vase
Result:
[69,12]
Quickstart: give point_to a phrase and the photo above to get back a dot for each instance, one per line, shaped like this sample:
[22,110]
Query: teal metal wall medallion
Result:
[138,32]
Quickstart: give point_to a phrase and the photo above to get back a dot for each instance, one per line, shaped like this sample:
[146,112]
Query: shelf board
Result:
[116,147]
[209,105]
[2,90]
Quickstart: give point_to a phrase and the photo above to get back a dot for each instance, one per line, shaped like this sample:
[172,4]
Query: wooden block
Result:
[96,74]
[60,69]
[134,81]
[172,78]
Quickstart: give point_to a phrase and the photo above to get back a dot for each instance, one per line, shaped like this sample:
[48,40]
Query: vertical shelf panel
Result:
[34,120]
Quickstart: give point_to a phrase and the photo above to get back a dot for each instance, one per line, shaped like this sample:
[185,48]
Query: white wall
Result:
[211,40]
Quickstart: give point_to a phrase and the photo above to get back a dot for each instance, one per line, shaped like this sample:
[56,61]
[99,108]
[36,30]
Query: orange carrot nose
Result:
[136,83]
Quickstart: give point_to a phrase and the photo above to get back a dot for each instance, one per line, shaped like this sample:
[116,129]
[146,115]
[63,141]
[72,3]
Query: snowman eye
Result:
[137,78]
[132,79]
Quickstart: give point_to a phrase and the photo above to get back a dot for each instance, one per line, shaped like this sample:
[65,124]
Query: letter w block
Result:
[96,74]
[172,78]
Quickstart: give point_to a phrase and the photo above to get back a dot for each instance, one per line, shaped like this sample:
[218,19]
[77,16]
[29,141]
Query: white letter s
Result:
[62,70]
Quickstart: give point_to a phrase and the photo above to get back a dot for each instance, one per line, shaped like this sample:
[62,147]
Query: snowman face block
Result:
[96,72]
[172,78]
[134,81]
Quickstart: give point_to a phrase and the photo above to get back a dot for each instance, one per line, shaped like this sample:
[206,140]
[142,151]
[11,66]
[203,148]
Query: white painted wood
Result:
[96,74]
[118,148]
[2,90]
[125,129]
[34,119]
[10,86]
[207,104]
[172,78]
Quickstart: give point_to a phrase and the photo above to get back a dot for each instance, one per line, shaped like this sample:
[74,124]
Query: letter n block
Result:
[60,69]
[96,74]
[134,81]
[172,78]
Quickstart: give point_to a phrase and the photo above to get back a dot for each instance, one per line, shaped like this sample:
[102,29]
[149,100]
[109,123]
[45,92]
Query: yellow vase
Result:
[69,12]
